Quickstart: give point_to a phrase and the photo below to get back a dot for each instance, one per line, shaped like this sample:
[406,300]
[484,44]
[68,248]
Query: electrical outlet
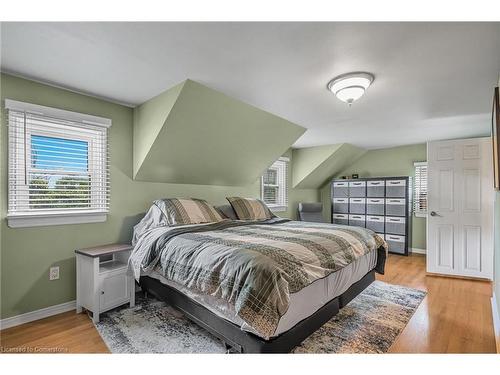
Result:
[54,273]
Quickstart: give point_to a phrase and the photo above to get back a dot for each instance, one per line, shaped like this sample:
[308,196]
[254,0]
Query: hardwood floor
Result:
[455,317]
[64,333]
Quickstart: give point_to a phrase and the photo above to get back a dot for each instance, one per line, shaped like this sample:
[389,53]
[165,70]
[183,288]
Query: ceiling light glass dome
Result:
[351,86]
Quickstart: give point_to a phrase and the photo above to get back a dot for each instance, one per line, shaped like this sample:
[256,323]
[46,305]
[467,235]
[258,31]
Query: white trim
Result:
[281,166]
[74,126]
[496,321]
[37,314]
[416,250]
[418,211]
[44,219]
[57,113]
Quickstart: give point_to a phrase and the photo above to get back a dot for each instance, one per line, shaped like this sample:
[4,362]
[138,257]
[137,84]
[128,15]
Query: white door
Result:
[460,204]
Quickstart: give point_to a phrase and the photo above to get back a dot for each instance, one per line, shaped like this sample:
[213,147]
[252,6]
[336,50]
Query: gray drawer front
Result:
[341,205]
[395,191]
[340,219]
[357,220]
[395,225]
[395,207]
[341,189]
[375,206]
[357,189]
[396,243]
[395,188]
[376,226]
[357,206]
[375,188]
[375,191]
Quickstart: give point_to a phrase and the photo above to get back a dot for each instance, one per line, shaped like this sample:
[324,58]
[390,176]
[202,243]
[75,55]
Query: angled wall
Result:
[394,161]
[151,117]
[314,166]
[196,135]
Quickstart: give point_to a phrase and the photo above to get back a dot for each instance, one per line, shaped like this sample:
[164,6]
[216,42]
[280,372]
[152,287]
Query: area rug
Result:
[368,324]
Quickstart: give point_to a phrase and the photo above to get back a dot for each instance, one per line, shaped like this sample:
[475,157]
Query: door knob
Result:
[434,213]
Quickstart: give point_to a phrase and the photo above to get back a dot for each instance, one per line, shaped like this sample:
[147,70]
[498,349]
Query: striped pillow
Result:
[180,211]
[250,208]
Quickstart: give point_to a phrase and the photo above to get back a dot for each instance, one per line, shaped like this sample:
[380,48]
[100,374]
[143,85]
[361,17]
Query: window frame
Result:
[22,215]
[418,211]
[281,165]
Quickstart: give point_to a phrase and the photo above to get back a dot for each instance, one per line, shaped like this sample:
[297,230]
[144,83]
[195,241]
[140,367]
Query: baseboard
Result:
[37,314]
[473,278]
[418,251]
[496,321]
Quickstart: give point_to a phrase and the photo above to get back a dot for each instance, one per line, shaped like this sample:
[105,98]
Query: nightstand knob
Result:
[102,291]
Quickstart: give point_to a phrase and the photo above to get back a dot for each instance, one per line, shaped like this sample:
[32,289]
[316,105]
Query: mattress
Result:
[303,304]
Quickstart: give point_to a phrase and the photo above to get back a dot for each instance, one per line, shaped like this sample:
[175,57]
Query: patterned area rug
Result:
[368,324]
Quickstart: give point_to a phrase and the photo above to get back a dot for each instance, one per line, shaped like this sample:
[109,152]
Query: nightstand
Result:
[102,282]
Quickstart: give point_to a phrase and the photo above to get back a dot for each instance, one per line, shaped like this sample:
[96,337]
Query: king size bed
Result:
[260,283]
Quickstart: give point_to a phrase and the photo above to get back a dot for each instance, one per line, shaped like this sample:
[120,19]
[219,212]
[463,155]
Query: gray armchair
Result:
[311,212]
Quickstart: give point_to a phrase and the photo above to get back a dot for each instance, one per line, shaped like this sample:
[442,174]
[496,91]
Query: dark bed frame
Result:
[239,341]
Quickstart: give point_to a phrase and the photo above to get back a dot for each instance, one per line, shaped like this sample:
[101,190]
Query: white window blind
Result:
[58,166]
[420,198]
[274,189]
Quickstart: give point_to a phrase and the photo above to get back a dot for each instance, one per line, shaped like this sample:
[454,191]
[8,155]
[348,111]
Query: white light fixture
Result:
[351,86]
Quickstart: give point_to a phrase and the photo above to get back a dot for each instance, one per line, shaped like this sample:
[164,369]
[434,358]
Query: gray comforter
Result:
[254,266]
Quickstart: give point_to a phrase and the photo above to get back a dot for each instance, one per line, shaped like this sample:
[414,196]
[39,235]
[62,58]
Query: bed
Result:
[260,286]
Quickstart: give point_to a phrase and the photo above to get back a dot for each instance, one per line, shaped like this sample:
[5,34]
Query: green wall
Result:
[314,166]
[308,159]
[27,253]
[396,161]
[152,116]
[199,121]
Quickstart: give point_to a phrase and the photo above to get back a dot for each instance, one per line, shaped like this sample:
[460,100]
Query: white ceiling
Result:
[432,80]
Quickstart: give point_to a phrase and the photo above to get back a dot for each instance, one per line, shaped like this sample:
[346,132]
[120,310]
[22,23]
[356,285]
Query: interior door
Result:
[460,204]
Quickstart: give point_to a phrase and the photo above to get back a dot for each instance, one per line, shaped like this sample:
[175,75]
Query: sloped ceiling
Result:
[434,77]
[313,166]
[192,134]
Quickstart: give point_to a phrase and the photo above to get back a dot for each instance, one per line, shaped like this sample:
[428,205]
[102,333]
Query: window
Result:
[420,199]
[274,190]
[58,166]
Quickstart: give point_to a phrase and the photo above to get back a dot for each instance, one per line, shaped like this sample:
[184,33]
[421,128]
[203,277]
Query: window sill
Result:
[277,208]
[40,219]
[420,214]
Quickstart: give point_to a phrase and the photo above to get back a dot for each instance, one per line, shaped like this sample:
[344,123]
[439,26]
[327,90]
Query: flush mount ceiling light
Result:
[351,86]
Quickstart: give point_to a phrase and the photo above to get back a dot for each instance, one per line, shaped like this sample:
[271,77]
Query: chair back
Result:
[311,212]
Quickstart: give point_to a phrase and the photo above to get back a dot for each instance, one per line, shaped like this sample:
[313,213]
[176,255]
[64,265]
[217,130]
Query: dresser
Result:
[382,204]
